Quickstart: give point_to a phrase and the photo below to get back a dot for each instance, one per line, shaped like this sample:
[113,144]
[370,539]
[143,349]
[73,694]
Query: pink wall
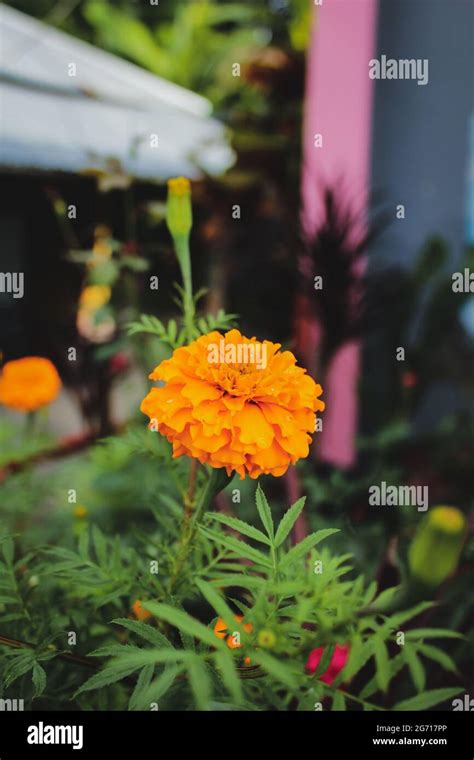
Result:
[338,105]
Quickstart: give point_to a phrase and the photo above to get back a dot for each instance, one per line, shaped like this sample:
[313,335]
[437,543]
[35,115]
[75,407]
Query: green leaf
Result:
[416,668]
[338,701]
[236,579]
[264,512]
[288,520]
[275,668]
[303,547]
[217,603]
[181,620]
[439,656]
[39,679]
[238,547]
[372,686]
[7,549]
[21,664]
[401,617]
[186,640]
[384,598]
[359,653]
[432,633]
[141,688]
[382,663]
[100,546]
[325,660]
[144,630]
[125,665]
[242,527]
[172,330]
[200,682]
[225,664]
[161,684]
[427,699]
[107,676]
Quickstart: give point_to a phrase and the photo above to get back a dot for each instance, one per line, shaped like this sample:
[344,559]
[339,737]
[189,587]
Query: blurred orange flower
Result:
[27,384]
[220,630]
[139,612]
[235,402]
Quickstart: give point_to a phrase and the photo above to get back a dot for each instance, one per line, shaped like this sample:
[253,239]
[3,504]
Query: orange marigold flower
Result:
[235,402]
[27,384]
[220,630]
[139,612]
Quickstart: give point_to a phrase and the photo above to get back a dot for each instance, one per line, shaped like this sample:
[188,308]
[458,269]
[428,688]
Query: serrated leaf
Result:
[384,598]
[186,640]
[401,617]
[161,684]
[141,687]
[240,548]
[370,593]
[278,670]
[127,664]
[242,527]
[288,520]
[200,682]
[144,630]
[304,546]
[106,677]
[416,668]
[217,602]
[427,699]
[20,665]
[182,621]
[439,656]
[396,664]
[382,663]
[225,664]
[39,679]
[264,512]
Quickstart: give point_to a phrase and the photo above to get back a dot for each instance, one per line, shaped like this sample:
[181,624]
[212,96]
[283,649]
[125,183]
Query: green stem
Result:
[216,482]
[184,258]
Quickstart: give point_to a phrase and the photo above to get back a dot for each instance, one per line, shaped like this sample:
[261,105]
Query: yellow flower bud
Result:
[178,208]
[266,639]
[80,512]
[434,552]
[93,297]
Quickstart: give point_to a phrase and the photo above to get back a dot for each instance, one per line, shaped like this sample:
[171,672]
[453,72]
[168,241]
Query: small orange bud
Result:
[139,612]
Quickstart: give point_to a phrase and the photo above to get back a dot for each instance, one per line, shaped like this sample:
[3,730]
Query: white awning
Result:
[111,113]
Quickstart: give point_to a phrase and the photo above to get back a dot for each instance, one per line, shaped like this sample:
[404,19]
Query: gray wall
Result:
[421,139]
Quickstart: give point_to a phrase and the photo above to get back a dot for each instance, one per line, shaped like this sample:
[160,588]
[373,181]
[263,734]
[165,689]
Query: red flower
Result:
[409,379]
[339,659]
